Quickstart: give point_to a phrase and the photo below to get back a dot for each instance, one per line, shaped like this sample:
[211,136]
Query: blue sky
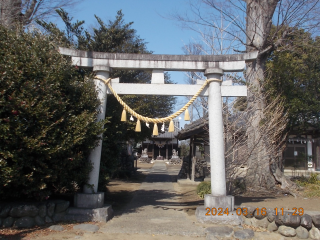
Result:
[150,17]
[163,35]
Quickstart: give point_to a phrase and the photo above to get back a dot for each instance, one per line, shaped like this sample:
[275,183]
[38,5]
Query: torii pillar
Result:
[218,204]
[95,155]
[218,197]
[91,198]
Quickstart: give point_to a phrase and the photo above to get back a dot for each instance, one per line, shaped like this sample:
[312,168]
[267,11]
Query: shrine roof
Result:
[197,127]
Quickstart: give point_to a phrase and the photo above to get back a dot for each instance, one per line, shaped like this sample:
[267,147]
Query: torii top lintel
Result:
[197,63]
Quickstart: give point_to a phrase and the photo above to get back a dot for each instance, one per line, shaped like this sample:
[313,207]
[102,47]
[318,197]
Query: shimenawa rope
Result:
[156,120]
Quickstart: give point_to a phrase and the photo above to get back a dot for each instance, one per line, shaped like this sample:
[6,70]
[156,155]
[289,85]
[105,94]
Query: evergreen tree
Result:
[294,73]
[47,119]
[114,37]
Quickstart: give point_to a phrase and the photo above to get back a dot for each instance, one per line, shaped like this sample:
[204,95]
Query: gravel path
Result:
[155,209]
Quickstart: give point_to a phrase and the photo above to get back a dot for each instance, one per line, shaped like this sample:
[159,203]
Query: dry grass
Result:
[310,185]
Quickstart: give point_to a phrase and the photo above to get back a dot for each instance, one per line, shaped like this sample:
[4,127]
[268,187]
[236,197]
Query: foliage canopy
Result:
[47,115]
[294,73]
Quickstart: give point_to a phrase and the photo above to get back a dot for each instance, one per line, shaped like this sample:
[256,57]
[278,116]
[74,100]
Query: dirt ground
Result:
[260,200]
[279,200]
[120,192]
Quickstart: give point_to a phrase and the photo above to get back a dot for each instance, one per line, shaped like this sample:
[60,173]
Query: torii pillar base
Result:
[224,202]
[89,207]
[89,200]
[218,210]
[204,215]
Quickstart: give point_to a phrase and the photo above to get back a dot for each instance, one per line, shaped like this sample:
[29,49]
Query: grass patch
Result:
[311,185]
[204,188]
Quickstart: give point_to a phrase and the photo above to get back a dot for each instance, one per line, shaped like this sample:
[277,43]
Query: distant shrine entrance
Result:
[213,66]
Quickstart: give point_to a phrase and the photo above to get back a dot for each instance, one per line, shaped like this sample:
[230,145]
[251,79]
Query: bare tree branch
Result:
[23,12]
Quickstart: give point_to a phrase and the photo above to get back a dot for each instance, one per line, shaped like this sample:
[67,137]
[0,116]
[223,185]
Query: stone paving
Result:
[155,209]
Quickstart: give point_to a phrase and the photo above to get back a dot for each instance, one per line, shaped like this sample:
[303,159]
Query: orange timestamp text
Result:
[244,211]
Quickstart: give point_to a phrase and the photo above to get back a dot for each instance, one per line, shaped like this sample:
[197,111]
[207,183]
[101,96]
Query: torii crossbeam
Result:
[213,67]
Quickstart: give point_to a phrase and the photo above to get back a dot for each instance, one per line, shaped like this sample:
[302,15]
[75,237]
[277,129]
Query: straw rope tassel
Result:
[186,115]
[171,126]
[138,126]
[155,129]
[124,116]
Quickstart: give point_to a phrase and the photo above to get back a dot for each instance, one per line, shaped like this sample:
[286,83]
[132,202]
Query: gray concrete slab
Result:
[155,209]
[103,214]
[231,219]
[89,200]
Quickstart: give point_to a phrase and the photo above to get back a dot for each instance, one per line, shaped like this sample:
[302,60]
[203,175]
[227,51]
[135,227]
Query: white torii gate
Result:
[213,67]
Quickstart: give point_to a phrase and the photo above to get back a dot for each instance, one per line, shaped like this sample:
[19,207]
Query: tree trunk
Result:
[17,13]
[259,174]
[259,15]
[10,12]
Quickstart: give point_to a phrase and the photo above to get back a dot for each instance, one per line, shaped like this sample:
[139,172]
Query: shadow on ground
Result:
[240,199]
[151,195]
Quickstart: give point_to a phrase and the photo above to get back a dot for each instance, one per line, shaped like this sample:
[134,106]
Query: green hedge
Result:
[47,119]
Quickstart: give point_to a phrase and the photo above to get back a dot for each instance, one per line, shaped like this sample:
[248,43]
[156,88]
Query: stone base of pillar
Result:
[102,214]
[205,216]
[223,202]
[89,200]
